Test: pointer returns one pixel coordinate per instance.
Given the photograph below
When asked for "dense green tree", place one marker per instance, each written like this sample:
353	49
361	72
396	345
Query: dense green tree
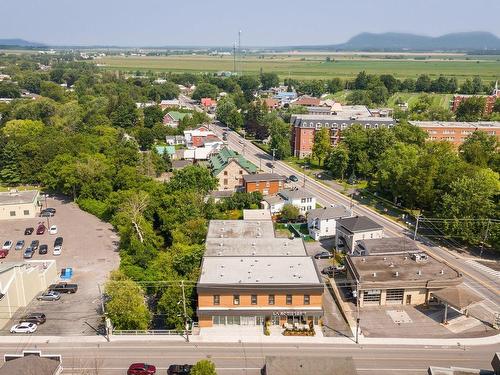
52	90
269	80
249	85
337	161
321	146
152	115
280	136
471	109
361	81
359	97
423	83
9	90
334	85
479	149
356	140
164	91
124	114
9	164
390	82
289	212
314	88
195	178
205	90
477	85
204	367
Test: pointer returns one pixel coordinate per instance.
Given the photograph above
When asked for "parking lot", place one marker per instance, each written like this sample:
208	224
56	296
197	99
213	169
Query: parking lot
90	249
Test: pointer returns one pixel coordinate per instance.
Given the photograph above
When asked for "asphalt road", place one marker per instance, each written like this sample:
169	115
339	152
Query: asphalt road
483	283
115	357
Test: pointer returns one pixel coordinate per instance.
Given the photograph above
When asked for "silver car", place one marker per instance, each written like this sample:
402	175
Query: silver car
19	245
49	296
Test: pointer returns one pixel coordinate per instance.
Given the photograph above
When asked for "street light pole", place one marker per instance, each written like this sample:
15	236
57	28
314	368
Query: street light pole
185	314
272	165
357	311
416	228
484	239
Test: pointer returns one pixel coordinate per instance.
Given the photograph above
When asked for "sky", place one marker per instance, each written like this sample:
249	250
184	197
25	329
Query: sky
216	22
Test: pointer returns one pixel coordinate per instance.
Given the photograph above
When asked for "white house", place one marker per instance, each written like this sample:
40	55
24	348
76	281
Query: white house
300	198
322	222
353	229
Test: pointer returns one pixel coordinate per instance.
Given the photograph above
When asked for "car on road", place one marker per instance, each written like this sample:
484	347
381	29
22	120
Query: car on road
141	369
332	270
323	255
48	212
179	369
50	209
19	245
58	246
58	242
28	231
34	244
64	288
53	229
7	245
49	296
28	253
270	165
293	178
24	327
43	249
40	229
37	318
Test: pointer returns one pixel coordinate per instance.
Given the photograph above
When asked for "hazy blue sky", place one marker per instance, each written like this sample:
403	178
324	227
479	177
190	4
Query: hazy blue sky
216	22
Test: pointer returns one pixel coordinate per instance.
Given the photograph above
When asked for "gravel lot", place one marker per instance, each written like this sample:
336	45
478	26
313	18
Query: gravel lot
90	248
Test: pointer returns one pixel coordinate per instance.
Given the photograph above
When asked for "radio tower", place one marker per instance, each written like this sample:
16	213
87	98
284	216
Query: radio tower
240	63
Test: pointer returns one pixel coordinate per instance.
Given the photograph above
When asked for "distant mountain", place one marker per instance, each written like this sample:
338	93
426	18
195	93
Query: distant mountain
466	41
20	43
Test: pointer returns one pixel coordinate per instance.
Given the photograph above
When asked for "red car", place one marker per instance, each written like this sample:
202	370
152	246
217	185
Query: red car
40	229
141	369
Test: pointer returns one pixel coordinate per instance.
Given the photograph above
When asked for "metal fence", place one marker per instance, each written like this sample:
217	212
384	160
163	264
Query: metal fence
152	332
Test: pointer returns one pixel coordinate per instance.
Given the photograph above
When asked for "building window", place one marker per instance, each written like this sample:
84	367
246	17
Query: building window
288	299
256	184
271	299
216	299
241	172
253	299
12	213
268	184
307	299
236	299
225	181
26	212
225	173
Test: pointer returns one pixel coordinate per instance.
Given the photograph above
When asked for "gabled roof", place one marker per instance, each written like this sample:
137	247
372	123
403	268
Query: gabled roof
263	177
324	213
295	193
177	116
220	161
359	224
308	101
170	150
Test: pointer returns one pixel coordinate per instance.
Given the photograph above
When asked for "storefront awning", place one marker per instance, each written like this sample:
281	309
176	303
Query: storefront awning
459	297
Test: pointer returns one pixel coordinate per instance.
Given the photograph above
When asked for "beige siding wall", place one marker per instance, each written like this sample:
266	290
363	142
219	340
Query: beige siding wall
19	211
231	177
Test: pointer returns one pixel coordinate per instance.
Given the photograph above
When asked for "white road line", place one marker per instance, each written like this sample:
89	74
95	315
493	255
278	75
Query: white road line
483	268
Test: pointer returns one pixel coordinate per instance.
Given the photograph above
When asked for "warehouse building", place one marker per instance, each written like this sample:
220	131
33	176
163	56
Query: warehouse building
19	204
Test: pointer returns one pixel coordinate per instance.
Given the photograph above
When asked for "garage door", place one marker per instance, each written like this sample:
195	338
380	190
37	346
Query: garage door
394	296
371	297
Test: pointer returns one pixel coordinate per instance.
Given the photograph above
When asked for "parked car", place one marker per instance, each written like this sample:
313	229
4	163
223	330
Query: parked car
40	229
19	245
57	250
50	209
58	246
28	231
64	288
43	249
37	318
141	369
328	271
58	241
49	296
7	245
53	229
46	213
24	327
293	178
270	164
323	255
179	369
28	253
34	244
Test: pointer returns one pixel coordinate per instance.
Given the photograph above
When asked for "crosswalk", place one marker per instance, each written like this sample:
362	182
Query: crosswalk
483	268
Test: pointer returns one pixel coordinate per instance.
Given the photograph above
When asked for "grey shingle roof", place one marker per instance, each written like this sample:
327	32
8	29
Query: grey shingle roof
359	224
335	212
263	177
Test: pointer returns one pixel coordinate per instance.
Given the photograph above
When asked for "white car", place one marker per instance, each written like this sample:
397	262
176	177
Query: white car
53	229
57	250
24	327
7	245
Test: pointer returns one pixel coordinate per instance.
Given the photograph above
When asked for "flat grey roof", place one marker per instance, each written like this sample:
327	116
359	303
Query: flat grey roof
257	214
18	197
259	271
301	365
254	247
389	245
359	224
263	177
295	193
30	364
243	229
273	199
335	212
456	124
385	268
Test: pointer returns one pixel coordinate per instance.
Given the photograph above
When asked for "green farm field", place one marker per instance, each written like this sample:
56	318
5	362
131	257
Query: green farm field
310	67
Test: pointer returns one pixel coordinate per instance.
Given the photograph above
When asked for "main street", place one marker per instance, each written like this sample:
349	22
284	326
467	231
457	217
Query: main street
114	357
485	284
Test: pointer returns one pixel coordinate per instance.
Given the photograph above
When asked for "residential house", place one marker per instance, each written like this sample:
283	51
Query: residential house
266	183
322	222
300	198
19	204
31	362
200	137
489	100
208	104
353	229
285	97
271	103
174	140
172	104
169	150
230	167
307	101
173	118
250	277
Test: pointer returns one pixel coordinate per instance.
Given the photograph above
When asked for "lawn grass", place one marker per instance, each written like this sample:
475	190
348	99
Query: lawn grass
310	67
442	100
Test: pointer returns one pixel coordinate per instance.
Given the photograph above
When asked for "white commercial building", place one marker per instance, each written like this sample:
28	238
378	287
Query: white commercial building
322	222
19	204
353	229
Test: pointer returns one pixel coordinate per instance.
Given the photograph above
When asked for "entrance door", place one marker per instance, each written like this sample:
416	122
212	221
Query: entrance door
408	299
248	320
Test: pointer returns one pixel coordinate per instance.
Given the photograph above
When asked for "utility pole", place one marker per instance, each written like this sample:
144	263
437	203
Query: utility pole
185	314
234	57
239	54
272	165
485	238
416	228
357	311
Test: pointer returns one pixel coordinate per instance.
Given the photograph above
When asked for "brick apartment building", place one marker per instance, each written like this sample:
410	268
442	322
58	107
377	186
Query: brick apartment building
305	126
456	132
266	183
488	105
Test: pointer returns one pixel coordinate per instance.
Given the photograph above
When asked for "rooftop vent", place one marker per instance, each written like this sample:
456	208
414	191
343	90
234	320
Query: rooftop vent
219	253
221	236
396	274
241	260
363	260
253	244
374	274
253	253
441	272
391	265
385	258
419	273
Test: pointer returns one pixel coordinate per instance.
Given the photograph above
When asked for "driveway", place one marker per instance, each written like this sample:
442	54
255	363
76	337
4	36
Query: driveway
90	248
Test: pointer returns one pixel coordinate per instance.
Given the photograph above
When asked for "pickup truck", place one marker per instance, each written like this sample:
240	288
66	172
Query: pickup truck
64	288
